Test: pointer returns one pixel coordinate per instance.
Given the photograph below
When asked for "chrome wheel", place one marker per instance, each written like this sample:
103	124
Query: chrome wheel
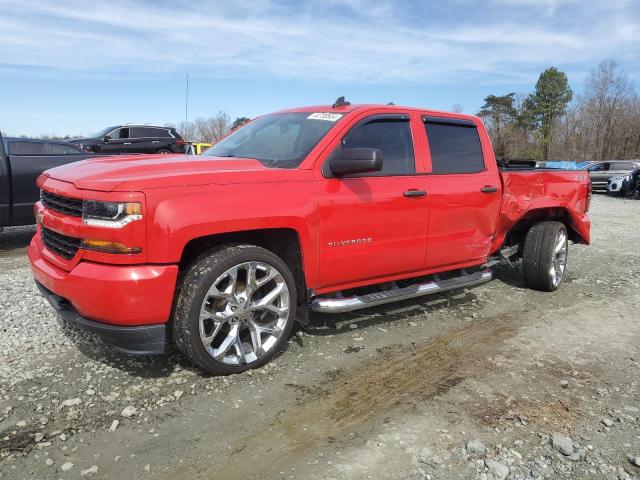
559	262
244	313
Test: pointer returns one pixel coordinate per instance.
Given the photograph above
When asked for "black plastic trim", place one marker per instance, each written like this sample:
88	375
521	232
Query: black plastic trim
448	121
138	340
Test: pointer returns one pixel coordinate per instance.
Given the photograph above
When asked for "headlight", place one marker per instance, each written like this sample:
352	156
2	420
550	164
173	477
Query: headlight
110	214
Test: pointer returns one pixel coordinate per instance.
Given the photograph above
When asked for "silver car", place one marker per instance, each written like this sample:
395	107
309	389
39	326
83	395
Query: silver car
615	184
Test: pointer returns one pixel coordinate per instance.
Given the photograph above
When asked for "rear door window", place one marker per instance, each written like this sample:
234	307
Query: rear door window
392	137
455	146
140	132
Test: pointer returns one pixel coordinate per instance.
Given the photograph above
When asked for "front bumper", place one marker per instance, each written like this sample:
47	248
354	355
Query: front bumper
141	340
128	305
125	295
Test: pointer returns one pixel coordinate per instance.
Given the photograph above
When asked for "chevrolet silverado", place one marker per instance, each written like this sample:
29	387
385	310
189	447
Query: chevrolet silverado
326	209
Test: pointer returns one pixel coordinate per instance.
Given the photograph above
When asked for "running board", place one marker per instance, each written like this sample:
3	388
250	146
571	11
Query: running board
355	302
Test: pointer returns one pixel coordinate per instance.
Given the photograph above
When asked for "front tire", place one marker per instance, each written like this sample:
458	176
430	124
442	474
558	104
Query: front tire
235	309
545	256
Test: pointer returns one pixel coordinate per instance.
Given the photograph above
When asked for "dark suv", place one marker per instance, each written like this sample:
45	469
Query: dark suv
133	139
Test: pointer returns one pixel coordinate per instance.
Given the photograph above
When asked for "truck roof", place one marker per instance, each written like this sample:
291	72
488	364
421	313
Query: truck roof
368	106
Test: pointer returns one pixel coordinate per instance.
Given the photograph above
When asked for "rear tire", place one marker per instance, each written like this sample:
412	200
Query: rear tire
235	309
545	256
164	151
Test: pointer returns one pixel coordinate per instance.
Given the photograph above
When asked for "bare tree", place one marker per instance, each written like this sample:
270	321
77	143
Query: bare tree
608	94
205	130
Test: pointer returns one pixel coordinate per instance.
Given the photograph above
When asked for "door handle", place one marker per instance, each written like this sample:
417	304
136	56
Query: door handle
489	189
415	193
127	143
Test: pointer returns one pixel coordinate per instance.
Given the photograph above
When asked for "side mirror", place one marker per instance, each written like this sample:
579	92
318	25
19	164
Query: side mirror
105	139
356	160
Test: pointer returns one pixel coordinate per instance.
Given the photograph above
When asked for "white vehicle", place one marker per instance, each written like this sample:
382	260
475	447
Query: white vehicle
615	184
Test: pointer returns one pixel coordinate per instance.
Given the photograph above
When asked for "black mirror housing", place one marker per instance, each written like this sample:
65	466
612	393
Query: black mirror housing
352	161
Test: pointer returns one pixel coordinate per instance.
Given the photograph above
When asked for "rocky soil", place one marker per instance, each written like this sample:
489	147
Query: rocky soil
494	382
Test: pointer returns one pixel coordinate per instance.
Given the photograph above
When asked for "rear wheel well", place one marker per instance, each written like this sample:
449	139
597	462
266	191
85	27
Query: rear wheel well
518	232
283	242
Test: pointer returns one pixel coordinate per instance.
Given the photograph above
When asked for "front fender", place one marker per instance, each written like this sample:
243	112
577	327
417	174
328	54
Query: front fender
179	215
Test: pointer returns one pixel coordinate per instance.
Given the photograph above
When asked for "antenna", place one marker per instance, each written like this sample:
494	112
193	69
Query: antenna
340	102
186	109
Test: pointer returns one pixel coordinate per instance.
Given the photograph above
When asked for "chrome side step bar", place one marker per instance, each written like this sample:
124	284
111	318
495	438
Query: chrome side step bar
355	302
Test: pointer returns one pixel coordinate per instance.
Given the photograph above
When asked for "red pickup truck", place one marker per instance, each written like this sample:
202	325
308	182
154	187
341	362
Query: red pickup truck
326	208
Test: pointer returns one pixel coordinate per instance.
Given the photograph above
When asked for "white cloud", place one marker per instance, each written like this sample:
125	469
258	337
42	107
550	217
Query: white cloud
352	40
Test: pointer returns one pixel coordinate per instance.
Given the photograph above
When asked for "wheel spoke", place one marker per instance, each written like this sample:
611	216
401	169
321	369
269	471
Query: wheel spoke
251	285
270	274
228	342
207	340
237	344
215	293
560	243
232	288
274	309
256	337
269	298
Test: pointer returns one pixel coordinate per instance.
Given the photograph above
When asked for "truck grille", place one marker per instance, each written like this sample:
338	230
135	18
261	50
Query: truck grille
61	245
68	206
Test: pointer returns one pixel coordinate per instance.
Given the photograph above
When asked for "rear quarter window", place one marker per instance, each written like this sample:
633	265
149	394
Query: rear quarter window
454	147
623	166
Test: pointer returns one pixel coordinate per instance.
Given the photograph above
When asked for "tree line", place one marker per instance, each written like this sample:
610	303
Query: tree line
601	123
209	129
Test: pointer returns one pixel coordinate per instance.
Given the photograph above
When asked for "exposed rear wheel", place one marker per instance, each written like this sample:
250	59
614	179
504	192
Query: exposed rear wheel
545	255
164	151
235	309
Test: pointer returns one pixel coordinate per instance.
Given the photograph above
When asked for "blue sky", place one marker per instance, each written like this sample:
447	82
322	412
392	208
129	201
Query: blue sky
76	66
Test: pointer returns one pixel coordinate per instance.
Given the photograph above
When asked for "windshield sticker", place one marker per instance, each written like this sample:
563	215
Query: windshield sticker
330	117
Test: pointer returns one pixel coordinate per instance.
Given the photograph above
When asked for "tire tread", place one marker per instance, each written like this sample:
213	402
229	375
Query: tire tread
538	255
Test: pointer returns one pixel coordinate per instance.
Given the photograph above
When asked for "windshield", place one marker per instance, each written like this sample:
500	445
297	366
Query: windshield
280	140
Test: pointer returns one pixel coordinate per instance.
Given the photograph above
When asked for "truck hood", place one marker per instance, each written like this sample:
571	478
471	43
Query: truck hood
139	172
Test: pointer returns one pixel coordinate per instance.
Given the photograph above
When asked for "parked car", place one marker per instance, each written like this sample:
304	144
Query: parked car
625	185
329	209
133	139
22	160
601	172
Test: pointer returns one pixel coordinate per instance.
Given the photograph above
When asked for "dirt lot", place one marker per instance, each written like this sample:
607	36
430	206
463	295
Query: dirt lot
493	382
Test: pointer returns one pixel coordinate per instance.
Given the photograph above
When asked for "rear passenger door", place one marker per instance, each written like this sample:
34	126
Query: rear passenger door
465	193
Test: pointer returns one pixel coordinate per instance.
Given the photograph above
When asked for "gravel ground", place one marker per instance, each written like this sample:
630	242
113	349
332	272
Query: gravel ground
493	382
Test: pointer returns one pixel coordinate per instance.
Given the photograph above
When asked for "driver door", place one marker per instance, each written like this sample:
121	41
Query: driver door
118	141
374	225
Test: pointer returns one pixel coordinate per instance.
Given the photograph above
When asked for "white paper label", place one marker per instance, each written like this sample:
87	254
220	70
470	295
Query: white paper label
330	117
